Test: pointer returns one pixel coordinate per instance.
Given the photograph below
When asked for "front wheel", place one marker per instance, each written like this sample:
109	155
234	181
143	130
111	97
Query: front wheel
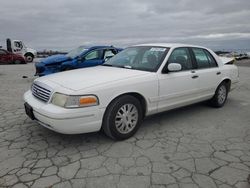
29	58
220	96
122	118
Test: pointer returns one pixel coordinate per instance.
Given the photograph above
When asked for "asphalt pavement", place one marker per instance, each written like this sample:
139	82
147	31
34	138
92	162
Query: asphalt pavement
195	146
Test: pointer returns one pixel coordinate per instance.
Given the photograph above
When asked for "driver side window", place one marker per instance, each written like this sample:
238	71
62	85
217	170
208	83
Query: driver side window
182	57
93	55
18	44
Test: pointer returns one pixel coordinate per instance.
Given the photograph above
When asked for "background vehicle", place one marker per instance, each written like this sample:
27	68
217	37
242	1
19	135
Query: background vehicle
83	56
10	58
18	47
137	82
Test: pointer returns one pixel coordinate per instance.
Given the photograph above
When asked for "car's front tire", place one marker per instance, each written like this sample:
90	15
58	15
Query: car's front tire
29	58
122	118
220	96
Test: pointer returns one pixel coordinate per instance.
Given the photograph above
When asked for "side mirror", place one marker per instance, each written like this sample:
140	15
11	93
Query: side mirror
174	67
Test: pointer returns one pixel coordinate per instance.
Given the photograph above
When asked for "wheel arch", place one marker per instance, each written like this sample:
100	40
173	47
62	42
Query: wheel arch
228	82
138	96
29	53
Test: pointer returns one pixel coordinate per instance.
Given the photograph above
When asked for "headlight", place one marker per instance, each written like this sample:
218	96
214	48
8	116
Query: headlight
74	101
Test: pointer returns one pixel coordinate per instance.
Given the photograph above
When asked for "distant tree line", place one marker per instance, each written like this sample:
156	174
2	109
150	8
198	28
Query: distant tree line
46	53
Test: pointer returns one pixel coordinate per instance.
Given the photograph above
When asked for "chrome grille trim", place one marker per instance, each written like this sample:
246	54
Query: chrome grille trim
41	91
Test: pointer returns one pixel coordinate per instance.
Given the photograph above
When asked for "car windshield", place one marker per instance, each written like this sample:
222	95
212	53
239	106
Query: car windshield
146	58
76	52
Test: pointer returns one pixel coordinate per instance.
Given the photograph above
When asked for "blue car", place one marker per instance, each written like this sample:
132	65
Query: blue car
83	56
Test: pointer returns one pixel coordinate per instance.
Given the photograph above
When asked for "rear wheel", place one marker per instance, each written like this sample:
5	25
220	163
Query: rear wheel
220	96
122	118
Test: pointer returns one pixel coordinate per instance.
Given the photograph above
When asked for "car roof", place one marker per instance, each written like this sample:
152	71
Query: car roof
170	45
97	47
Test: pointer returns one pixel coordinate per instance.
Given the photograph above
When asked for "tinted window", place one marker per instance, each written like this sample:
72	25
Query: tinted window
201	58
181	56
211	59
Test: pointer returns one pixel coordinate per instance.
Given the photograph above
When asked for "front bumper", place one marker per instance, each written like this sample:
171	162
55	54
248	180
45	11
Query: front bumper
66	121
43	70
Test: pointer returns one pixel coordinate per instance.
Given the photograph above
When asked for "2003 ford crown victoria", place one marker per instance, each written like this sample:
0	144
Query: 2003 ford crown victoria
139	81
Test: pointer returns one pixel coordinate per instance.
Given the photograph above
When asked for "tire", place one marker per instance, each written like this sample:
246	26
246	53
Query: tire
220	96
29	58
122	118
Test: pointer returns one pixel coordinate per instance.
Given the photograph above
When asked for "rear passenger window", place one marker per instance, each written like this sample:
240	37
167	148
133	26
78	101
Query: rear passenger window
212	61
182	57
201	58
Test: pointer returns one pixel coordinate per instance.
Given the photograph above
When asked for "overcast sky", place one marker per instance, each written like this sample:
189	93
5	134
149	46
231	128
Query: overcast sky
65	24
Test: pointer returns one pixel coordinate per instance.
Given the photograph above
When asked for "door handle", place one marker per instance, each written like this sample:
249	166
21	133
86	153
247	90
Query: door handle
195	76
218	73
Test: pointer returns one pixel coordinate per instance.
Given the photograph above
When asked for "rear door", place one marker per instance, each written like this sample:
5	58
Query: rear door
178	88
208	72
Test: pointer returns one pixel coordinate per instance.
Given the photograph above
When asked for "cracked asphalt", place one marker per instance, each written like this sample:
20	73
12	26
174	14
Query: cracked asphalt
192	147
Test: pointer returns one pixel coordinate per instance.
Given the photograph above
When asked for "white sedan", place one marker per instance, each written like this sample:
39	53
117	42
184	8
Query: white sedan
141	80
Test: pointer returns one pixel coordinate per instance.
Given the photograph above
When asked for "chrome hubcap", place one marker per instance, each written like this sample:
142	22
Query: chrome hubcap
222	93
126	118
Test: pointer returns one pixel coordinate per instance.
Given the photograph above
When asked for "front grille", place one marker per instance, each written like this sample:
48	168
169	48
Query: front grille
41	92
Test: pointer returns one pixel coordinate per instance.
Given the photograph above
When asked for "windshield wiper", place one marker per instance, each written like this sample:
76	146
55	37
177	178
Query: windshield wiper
127	66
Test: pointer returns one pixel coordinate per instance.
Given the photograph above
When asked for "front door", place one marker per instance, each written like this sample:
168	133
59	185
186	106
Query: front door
178	88
93	58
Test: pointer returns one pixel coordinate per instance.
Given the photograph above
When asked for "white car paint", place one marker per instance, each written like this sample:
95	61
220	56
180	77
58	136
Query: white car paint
160	91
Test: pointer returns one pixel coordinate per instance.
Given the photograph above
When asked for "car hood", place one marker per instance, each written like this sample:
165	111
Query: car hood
55	59
91	77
